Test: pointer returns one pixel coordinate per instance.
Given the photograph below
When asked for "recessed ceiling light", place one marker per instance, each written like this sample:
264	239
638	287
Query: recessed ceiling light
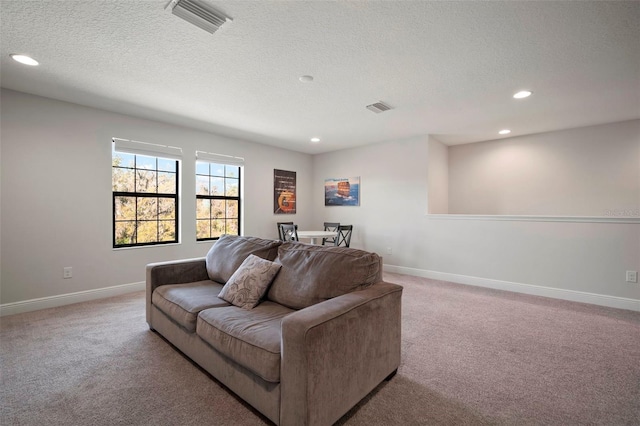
522	94
315	140
23	59
306	78
504	131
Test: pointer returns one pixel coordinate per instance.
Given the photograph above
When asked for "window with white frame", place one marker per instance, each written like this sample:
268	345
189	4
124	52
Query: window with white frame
145	182
218	200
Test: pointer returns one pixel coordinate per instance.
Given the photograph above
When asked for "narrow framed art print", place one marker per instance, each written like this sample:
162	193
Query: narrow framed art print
284	192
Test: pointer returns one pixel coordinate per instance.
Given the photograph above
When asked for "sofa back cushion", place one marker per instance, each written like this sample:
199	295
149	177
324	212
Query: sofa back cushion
228	253
312	273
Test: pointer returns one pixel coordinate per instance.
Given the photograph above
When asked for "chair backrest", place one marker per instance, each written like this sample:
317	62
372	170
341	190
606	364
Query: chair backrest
289	232
280	230
344	235
330	226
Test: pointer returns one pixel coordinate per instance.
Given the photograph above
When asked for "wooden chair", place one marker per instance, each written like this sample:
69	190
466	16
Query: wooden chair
344	235
280	230
330	226
289	232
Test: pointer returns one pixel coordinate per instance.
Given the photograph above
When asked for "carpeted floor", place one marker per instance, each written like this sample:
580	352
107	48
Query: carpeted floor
470	356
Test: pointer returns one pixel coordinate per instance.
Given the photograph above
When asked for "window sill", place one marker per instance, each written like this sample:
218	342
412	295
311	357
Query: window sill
145	247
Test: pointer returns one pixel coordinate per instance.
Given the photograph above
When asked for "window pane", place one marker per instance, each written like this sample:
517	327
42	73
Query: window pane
146	181
202	168
166	165
231	189
232	227
202	229
232	171
232	209
166	208
217	209
203	209
120	159
125	232
147	208
123	179
125	208
217	228
217	186
202	185
166	230
167	183
217	169
144	162
147	232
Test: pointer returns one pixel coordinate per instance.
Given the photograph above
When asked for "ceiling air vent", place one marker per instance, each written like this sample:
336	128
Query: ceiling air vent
378	107
199	14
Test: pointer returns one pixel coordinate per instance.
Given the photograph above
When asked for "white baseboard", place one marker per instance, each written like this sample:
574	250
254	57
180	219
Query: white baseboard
556	293
69	298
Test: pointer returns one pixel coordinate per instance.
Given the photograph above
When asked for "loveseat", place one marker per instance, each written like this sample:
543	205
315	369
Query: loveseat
323	334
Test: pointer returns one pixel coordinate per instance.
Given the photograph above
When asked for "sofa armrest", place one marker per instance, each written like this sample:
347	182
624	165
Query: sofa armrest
335	352
173	272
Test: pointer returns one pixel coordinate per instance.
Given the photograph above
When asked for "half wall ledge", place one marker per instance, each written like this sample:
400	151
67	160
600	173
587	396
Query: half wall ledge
529	218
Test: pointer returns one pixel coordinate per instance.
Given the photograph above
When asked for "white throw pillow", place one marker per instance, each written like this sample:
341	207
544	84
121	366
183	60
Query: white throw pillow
249	282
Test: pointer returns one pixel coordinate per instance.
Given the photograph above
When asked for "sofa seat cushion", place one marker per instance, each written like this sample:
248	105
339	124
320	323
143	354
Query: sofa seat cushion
250	338
228	253
183	302
311	274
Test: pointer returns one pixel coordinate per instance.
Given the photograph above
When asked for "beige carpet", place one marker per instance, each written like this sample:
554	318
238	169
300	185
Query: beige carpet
471	356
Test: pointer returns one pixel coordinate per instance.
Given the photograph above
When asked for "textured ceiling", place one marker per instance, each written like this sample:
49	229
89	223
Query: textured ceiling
448	68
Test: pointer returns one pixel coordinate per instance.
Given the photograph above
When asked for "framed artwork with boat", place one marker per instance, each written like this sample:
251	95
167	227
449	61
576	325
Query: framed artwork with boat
342	191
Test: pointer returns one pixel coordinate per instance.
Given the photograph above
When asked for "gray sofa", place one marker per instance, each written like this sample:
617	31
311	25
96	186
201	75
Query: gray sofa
325	334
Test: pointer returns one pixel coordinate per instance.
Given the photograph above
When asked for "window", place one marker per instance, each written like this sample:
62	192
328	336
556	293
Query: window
145	199
217	200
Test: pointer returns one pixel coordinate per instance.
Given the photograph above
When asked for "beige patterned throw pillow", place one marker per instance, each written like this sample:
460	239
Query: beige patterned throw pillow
249	282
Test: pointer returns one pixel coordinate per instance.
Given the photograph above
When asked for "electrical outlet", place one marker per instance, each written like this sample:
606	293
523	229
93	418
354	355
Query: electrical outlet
389	250
632	276
67	272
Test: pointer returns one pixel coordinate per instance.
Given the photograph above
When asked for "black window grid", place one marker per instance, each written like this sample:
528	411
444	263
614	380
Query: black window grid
211	219
141	195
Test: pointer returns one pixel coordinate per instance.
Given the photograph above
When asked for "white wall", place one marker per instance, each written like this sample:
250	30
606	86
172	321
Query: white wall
576	261
56	195
589	171
438	177
56	211
393	196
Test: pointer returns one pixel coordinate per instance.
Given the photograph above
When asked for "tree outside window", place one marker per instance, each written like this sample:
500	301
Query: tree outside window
217	200
145	200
